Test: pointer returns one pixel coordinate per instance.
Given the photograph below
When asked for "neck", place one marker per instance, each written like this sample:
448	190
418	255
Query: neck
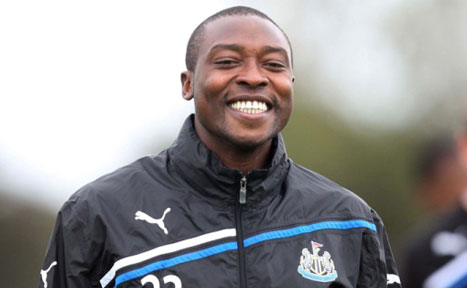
243	158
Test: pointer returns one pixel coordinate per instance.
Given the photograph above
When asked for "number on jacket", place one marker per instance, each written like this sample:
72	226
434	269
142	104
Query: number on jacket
167	279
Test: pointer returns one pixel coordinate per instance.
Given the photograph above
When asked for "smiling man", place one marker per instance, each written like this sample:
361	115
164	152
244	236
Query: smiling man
223	206
241	81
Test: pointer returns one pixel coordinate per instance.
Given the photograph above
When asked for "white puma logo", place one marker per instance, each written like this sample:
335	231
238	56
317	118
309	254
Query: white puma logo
44	273
139	215
393	279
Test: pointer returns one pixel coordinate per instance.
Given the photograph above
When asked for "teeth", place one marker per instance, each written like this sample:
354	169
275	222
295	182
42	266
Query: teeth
250	107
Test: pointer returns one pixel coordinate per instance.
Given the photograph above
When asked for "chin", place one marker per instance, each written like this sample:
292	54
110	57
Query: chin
249	143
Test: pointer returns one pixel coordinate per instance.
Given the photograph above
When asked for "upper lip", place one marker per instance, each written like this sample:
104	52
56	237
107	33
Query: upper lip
246	97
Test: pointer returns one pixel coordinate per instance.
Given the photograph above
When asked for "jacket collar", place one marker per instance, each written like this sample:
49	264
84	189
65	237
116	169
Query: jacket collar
202	169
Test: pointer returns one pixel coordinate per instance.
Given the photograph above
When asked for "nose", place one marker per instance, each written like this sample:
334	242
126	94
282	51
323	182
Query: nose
251	75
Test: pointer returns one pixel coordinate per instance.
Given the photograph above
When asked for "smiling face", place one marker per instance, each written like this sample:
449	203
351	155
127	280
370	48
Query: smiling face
242	83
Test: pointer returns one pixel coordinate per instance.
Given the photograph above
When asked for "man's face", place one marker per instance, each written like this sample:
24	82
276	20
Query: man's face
242	83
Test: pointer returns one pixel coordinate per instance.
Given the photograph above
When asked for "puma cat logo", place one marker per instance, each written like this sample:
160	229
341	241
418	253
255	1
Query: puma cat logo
393	279
44	273
139	215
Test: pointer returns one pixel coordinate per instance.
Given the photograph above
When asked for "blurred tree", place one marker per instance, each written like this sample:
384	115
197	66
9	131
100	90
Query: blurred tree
376	165
430	36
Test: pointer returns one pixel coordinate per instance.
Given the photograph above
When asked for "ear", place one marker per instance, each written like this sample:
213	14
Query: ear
187	85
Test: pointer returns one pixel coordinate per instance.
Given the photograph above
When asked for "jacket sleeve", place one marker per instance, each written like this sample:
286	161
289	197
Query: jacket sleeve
377	267
67	258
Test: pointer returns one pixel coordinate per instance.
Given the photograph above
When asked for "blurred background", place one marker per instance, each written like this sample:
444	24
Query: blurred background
89	86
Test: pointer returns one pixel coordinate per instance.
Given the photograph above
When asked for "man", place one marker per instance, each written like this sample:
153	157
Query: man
223	206
437	256
442	177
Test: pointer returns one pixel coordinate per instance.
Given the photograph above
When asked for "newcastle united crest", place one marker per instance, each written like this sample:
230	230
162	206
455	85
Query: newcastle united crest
315	267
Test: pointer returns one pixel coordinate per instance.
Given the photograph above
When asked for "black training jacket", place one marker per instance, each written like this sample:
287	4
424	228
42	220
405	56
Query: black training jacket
181	219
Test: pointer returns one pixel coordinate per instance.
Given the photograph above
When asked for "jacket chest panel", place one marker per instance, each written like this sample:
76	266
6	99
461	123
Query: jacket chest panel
318	259
322	259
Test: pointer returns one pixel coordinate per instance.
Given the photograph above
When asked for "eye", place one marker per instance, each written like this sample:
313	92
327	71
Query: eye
226	63
274	65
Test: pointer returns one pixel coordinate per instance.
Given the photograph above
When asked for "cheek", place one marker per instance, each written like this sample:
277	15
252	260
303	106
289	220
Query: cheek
212	85
284	89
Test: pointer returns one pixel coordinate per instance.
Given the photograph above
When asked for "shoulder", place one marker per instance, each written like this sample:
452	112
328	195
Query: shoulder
326	195
120	188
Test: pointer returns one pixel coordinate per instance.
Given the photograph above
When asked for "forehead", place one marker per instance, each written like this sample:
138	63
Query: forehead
249	31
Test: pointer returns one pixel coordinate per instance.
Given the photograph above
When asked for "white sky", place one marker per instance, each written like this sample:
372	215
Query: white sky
350	41
86	85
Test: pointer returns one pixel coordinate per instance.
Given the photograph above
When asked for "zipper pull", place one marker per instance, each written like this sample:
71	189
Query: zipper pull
242	198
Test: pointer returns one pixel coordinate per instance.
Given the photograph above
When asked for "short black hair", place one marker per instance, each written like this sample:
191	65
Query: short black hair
192	49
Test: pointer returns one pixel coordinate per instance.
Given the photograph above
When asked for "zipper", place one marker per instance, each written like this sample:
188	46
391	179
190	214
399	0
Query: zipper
239	228
242	197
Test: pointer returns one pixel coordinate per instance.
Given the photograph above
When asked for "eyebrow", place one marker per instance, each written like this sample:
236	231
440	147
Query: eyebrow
273	49
233	47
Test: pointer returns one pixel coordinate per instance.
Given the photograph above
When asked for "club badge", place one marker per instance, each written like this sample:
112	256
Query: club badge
315	267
